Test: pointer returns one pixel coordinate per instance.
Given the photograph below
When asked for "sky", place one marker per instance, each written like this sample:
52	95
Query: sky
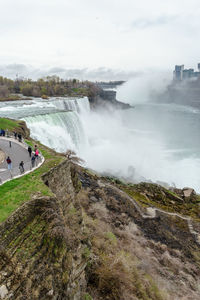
99	39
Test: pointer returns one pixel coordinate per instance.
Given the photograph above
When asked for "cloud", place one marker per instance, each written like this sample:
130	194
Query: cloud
85	35
28	71
158	21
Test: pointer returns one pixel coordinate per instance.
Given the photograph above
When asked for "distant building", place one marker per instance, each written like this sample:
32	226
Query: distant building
178	72
183	74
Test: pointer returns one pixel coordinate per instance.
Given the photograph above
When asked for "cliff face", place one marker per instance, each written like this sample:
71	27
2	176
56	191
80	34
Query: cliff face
107	99
41	254
92	240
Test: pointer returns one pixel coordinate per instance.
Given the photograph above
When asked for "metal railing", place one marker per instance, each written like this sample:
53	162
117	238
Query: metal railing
14	172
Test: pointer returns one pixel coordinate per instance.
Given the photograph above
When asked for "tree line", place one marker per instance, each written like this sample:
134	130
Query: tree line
47	86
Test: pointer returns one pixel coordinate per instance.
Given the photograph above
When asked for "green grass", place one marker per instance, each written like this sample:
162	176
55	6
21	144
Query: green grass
8	124
166	202
13	193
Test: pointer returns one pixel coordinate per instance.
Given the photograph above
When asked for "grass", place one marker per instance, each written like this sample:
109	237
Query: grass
17	191
8	124
163	201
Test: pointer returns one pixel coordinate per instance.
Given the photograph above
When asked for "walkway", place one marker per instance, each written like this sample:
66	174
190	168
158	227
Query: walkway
18	152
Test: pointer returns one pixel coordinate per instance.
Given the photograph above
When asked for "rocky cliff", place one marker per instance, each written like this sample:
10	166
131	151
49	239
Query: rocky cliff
107	99
94	239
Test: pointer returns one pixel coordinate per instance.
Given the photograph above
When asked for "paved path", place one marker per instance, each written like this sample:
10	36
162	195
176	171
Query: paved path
17	153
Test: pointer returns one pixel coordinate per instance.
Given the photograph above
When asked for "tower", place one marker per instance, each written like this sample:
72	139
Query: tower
178	72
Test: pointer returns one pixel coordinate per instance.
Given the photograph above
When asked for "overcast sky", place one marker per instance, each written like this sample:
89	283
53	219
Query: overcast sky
100	38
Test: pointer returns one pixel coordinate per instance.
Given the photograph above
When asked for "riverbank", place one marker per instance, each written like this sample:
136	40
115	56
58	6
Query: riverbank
15	97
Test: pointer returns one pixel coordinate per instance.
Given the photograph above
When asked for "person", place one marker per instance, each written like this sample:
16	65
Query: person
9	162
29	150
15	135
21	167
33	161
36	153
35	147
19	137
10	144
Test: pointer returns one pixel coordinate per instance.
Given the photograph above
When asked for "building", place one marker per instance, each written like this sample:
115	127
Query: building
184	74
178	72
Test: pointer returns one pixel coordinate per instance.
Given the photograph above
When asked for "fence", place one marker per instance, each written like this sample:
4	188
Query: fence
6	175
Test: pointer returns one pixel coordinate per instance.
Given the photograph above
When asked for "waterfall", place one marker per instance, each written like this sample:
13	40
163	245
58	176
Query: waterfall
60	131
79	105
37	106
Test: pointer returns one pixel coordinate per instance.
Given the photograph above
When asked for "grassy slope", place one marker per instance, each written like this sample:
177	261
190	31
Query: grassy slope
161	198
13	193
8	124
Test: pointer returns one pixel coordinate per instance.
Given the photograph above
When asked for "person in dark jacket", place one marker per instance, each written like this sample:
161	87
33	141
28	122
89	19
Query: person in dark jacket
29	150
21	167
9	162
19	137
33	161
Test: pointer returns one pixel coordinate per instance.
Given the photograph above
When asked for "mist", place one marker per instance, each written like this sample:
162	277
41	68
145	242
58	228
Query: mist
153	142
144	87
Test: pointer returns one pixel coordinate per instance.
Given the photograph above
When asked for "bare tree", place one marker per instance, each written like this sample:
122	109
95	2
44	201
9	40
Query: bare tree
71	156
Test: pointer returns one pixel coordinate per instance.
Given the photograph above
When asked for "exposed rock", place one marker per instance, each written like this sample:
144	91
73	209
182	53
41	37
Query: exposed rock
50	293
94	199
107	100
188	192
3	291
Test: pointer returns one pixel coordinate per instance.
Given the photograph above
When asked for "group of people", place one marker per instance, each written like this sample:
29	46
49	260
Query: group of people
17	136
33	155
2	132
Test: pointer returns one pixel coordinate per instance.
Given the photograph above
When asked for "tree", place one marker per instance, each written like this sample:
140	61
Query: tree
4	91
27	89
71	156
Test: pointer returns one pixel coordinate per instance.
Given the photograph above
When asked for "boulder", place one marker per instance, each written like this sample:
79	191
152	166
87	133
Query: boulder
188	192
3	291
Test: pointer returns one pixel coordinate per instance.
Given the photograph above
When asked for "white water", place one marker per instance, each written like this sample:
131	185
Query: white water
150	142
59	130
135	144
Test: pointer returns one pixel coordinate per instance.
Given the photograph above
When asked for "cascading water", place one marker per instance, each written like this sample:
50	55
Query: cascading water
61	130
79	105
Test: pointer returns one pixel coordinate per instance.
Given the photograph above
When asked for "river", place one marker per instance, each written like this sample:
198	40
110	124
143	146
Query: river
150	142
